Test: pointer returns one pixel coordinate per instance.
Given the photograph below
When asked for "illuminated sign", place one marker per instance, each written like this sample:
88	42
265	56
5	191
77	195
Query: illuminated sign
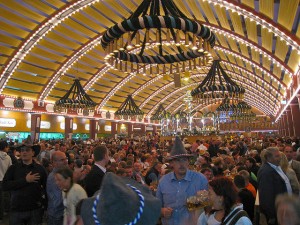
87	127
13	135
107	128
7	122
44	124
62	126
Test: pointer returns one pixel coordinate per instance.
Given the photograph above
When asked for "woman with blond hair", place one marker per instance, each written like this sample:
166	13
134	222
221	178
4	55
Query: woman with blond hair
290	173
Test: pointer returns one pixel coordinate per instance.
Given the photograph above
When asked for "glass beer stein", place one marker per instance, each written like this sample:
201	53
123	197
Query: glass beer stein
200	200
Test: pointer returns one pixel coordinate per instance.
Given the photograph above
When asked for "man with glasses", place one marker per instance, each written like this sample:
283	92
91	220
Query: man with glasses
26	182
55	200
175	187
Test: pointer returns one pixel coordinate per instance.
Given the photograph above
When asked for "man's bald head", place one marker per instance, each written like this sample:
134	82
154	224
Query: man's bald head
59	159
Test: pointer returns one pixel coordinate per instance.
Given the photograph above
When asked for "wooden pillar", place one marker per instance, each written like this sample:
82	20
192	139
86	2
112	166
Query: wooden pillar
284	123
68	127
296	118
35	127
290	122
129	129
93	128
143	129
280	126
114	128
154	129
101	123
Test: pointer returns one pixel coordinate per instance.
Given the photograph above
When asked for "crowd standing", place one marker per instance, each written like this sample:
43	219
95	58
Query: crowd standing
64	182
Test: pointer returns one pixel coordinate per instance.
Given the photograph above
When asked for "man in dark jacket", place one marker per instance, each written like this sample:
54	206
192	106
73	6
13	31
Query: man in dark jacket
213	149
272	181
26	182
93	179
153	173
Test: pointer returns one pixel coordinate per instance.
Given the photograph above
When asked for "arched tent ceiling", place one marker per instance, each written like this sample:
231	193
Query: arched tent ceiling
46	44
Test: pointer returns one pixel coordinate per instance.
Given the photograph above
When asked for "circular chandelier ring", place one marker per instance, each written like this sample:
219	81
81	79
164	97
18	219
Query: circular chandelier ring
157	59
222	88
147	21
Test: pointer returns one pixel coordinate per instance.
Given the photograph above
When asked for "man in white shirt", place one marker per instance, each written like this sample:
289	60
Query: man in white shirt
271	182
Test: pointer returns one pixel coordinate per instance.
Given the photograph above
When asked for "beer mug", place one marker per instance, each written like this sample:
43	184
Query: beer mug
200	200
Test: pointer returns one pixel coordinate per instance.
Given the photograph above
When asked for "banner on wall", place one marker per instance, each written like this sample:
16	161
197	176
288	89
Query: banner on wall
107	128
4	122
62	126
13	135
44	124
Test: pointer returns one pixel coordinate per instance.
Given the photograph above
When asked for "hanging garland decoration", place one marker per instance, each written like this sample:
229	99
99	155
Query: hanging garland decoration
243	116
243	107
161	113
129	108
112	34
75	98
219	84
169	25
226	107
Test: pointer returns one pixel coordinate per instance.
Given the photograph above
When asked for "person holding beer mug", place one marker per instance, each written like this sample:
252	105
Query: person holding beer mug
225	210
176	187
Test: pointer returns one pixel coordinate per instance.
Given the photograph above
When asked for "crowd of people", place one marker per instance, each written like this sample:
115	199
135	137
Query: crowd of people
146	180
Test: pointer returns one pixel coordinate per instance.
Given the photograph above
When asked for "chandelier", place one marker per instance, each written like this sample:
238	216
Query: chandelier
226	107
242	112
157	39
129	109
217	84
161	114
75	99
243	107
243	116
181	116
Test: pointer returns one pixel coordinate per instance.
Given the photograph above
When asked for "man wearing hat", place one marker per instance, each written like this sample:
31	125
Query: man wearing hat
175	187
26	182
120	201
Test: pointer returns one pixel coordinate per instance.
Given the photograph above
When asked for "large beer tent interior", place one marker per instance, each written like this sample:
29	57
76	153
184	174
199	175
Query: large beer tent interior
45	45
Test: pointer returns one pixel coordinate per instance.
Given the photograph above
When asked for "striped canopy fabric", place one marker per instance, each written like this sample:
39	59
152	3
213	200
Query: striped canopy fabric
45	45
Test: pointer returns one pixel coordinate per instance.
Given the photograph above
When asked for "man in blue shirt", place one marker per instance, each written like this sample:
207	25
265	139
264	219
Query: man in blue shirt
55	200
175	187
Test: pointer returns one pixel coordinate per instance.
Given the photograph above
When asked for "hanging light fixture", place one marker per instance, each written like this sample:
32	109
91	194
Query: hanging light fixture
243	112
75	99
217	84
157	39
161	114
243	116
129	109
226	107
243	107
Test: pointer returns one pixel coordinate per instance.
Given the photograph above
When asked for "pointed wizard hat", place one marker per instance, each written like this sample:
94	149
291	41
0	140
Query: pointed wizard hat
178	150
121	201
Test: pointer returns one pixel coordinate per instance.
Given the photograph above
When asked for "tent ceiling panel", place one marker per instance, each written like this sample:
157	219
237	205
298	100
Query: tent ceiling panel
70	47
